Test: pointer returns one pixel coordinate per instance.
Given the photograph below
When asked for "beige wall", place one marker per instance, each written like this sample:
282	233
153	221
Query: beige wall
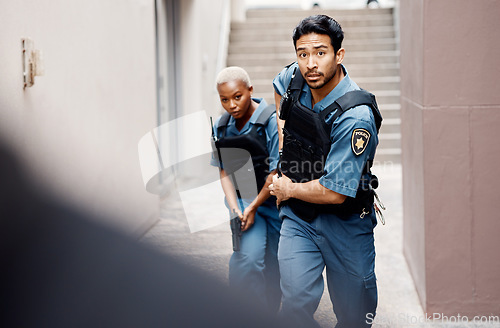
200	32
450	99
411	60
79	125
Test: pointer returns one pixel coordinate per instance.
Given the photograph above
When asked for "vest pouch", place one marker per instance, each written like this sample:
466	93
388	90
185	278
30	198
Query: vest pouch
233	159
237	163
363	202
301	160
237	151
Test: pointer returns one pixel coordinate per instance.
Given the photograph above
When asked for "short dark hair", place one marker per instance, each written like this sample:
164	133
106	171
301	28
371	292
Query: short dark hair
320	24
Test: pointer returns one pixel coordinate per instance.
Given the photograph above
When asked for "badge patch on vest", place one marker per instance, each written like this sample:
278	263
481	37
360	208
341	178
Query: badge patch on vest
359	140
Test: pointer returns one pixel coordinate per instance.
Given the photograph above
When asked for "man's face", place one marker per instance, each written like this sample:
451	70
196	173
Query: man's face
236	97
316	58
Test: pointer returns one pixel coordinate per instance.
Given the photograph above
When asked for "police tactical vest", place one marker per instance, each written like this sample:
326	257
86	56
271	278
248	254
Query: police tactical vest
307	143
254	142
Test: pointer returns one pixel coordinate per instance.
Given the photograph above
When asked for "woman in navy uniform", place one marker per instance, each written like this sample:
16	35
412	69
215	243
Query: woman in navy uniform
249	123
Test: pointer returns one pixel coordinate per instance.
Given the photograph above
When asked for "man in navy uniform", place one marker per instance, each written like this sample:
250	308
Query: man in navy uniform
325	191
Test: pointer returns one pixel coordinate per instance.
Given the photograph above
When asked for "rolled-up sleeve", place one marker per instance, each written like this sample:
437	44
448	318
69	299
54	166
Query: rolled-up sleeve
281	81
214	161
344	167
272	142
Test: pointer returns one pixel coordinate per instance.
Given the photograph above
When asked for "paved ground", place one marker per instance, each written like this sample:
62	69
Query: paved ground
210	250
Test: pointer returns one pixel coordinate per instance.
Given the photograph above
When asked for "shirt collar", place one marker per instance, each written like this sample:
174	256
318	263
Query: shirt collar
262	104
344	85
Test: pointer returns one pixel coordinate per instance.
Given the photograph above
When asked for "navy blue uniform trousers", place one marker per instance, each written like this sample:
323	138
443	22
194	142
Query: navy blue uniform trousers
346	247
254	268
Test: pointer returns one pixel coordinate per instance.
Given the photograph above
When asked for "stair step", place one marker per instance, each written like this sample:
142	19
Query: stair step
262	72
299	14
389	140
263	46
388	44
385	97
391	126
371	57
259	23
387	156
375	84
390	111
374	87
266	59
378	32
265	90
372	70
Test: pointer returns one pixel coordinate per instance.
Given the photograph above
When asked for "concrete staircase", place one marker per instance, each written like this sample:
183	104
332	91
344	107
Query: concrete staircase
263	46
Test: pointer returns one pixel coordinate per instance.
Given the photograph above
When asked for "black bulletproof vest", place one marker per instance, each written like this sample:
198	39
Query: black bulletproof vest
254	142
306	144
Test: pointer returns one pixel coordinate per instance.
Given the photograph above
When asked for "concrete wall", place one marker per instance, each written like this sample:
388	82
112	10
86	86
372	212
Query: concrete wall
450	116
78	127
411	44
200	36
201	32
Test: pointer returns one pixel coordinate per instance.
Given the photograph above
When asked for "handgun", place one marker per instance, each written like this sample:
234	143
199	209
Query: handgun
236	231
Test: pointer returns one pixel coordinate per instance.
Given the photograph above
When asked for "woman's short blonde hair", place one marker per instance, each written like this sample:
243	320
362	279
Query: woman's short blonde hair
233	73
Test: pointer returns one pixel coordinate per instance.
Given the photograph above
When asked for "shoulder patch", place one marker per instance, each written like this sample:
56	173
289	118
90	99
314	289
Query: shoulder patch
359	141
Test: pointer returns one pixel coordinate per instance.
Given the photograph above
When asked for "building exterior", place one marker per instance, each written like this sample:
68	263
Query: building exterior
104	87
450	104
114	70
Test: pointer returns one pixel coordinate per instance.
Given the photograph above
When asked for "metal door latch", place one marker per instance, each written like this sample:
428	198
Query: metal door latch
32	62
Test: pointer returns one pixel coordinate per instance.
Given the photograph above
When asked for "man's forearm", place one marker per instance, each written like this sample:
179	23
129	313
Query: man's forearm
314	192
264	192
